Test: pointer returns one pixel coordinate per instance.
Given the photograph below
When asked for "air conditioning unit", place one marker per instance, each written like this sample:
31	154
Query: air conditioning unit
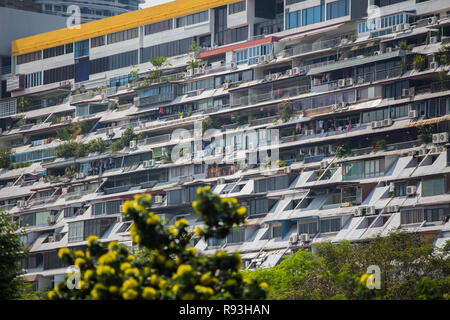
233	65
349	81
370	210
387	122
110	133
226	85
412	153
228	150
432	20
394	208
377	124
423	152
358	212
190	73
309	132
275	76
51	219
388	49
267	58
342	105
324	164
376	53
344	41
189	178
57	237
411	190
413	114
146	164
304	237
295	71
251	146
21	203
157	198
288	72
434	65
51	238
293	238
133	144
341	83
220	181
80	175
287	169
434	150
198	71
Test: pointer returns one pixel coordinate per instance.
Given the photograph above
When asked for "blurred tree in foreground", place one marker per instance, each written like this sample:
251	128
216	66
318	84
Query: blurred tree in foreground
167	267
411	268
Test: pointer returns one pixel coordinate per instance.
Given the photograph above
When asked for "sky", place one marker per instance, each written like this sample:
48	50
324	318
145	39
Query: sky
150	3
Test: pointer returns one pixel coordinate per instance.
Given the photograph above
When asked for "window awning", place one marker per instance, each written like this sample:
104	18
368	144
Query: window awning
355	62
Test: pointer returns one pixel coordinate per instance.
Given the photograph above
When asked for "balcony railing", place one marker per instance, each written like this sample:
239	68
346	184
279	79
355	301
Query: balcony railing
139	102
275	94
318	45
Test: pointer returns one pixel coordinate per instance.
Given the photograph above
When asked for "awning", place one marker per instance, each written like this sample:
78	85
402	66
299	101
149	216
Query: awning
355	62
424	122
310	33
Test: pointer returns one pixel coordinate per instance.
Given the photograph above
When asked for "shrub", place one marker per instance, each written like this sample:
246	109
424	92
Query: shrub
167	267
97	145
71	149
5	159
425	133
343	151
419	63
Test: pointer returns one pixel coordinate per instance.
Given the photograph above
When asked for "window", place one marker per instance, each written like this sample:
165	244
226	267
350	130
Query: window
313	15
337	9
236	7
400	189
175	196
363	169
33	79
168	49
42	218
28	219
81	48
276	230
69	47
309	228
372	168
275	183
158	27
409	216
236	236
432	187
97	41
96	227
330	225
59	74
76	231
293	19
193	19
123	35
53	52
29	57
435	214
113	62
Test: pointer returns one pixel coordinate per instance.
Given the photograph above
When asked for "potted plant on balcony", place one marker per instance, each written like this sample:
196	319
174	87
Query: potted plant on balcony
342	151
158	63
379	145
419	63
285	110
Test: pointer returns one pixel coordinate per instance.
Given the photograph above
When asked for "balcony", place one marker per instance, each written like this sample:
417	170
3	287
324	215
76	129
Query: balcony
275	94
315	46
160	98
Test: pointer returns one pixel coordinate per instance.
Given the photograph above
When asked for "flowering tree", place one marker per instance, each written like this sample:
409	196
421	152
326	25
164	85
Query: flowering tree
168	268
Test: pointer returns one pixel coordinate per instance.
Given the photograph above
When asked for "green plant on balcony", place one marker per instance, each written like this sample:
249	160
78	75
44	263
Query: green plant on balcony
56	120
23	103
303	113
319	173
97	145
403	45
19	165
419	63
237	119
158	64
112	105
443	55
443	80
379	145
5	157
285	110
250	118
71	149
281	163
425	133
209	123
193	63
124	141
343	151
134	74
100	89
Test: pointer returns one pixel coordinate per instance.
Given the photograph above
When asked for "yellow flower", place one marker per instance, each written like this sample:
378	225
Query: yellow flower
152	220
148	197
127	205
79	253
264	285
170	264
88	274
79	262
199	190
154	279
107	258
176	288
194	204
51	294
83	284
198	231
94	294
113	245
131	257
129	284
91	239
148	293
162	284
130	295
246	280
205	279
133	271
230	283
105	270
62	252
183	269
191	250
241	211
182	222
136	239
124	266
221	254
113	289
160	259
205	290
188	296
207	188
173	231
147	271
364	278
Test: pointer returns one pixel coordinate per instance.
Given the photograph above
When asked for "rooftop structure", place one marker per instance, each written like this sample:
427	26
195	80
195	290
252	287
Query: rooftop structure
319	110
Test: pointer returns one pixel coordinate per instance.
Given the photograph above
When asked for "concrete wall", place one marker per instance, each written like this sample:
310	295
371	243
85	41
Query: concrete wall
16	24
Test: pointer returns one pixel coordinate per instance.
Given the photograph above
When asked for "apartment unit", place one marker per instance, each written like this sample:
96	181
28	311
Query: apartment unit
326	121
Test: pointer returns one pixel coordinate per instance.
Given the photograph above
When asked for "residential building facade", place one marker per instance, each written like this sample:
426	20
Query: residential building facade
331	123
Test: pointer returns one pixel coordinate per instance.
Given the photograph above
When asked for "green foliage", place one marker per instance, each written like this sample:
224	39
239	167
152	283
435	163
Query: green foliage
411	268
237	119
419	63
5	159
209	123
193	62
285	110
166	267
72	131
19	165
97	145
380	144
403	45
343	151
112	105
134	74
124	141
425	133
72	149
158	63
443	55
11	249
